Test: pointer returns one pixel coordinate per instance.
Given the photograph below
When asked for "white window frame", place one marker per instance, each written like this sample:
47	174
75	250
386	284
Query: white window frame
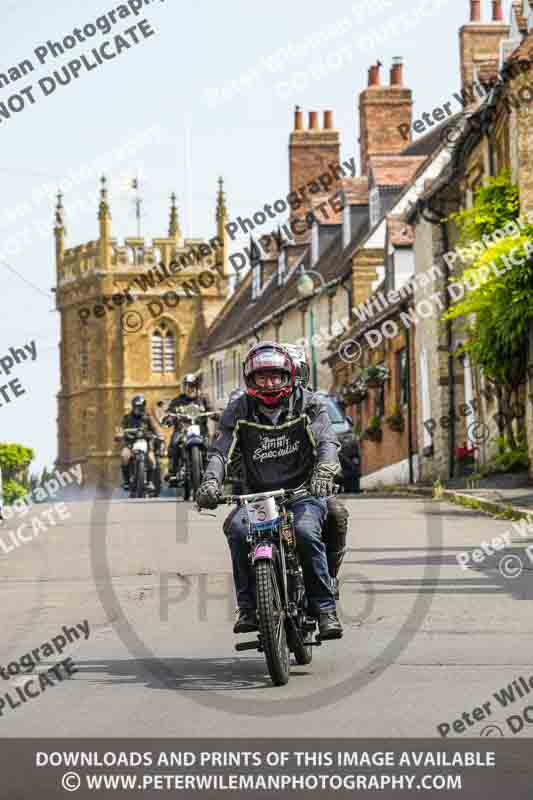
346	225
256	281
219	378
315	244
282	267
375	206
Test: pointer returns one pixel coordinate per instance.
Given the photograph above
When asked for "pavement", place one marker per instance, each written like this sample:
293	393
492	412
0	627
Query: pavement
425	642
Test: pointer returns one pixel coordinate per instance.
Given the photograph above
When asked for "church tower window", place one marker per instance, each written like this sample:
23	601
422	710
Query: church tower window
163	349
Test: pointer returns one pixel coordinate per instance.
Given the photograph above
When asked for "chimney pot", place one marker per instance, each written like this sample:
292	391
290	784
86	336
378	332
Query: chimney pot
396	72
373	75
298	119
313	120
475	10
497	11
328	119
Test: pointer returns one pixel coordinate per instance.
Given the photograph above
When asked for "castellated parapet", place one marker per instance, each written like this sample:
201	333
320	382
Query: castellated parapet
132	317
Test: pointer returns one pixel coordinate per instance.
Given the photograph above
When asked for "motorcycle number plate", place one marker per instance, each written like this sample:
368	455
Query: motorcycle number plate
141	445
193	430
264	513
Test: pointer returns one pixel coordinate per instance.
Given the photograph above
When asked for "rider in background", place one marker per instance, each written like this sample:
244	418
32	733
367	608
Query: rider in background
137	418
285	438
190	394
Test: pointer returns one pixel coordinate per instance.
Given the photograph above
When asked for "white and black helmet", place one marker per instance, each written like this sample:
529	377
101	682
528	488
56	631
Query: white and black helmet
190	380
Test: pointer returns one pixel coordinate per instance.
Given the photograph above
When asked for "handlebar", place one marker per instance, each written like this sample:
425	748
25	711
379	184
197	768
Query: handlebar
300	491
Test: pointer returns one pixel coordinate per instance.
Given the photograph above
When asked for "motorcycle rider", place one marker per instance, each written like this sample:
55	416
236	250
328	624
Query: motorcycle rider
285	438
137	418
190	394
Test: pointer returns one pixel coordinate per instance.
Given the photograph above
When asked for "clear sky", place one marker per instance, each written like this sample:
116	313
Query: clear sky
221	79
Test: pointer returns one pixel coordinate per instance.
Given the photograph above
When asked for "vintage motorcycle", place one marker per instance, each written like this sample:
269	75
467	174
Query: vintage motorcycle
140	440
191	446
284	625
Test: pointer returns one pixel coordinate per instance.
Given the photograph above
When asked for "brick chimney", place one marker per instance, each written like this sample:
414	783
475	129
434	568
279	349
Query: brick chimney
480	48
382	110
312	152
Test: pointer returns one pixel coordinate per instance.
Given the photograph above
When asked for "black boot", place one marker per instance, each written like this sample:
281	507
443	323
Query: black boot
246	621
329	626
125	476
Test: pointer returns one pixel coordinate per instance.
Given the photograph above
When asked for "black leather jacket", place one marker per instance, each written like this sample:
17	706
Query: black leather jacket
302	401
185	400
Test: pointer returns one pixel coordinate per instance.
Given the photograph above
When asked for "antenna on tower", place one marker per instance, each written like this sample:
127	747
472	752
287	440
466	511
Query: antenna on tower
138	203
187	158
135	183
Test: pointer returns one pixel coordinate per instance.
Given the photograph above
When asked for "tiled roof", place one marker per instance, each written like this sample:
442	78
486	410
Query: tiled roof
427	144
394	170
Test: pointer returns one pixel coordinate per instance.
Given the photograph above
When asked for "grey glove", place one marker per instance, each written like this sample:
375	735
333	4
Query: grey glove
323	479
208	494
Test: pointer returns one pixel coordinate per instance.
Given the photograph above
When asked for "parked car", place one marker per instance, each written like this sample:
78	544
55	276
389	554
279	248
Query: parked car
349	454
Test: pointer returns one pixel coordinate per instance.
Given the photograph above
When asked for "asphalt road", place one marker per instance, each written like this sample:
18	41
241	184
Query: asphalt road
424	640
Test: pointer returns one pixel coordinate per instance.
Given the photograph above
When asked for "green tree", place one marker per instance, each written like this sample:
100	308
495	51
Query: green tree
14	462
498	302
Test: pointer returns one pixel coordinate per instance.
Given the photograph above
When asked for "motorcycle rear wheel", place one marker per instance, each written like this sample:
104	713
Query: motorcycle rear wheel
303	654
271	618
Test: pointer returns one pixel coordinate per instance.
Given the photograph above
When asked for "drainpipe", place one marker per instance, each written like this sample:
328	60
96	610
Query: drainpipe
408	341
451	360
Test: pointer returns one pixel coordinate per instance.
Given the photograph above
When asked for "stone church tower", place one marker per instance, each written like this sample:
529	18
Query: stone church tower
132	317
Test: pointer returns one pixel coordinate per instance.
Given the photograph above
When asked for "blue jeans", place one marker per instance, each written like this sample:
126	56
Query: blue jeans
309	516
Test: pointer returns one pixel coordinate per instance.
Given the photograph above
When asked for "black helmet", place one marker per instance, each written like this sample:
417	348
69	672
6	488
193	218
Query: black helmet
301	367
138	405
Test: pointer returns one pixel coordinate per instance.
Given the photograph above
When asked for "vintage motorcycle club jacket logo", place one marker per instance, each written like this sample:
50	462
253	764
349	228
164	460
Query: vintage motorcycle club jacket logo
275	455
275	447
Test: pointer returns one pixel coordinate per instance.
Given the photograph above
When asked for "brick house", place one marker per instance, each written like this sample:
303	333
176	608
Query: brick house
267	304
452	393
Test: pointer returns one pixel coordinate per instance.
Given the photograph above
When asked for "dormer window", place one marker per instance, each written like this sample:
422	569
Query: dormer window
346	225
256	280
375	206
314	244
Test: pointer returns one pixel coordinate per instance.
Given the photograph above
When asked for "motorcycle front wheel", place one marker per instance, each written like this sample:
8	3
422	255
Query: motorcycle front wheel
271	618
137	489
196	469
157	480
